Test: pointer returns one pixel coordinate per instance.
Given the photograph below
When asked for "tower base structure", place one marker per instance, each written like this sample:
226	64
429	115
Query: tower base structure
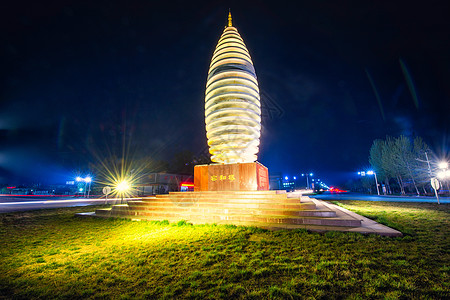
272	210
239	194
231	177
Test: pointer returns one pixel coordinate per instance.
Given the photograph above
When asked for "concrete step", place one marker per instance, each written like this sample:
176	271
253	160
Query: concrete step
261	213
199	218
236	205
274	197
224	210
270	192
221	200
103	212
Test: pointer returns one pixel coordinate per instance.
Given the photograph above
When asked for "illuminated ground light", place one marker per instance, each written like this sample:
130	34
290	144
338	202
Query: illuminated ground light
232	102
122	175
122	188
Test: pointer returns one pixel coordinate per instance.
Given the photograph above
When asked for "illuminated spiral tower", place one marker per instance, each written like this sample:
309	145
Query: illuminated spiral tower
232	103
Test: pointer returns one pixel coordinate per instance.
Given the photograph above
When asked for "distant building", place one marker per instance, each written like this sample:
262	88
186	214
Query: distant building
275	181
163	183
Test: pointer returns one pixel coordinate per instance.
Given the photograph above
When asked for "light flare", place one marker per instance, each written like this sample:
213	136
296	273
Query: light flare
122	175
443	165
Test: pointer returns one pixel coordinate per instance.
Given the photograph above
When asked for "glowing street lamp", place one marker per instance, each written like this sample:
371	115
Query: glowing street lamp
306	175
444	174
443	165
86	180
371	172
376	180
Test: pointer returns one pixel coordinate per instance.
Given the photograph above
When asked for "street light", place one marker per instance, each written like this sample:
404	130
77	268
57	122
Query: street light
371	172
443	174
434	181
307	182
443	165
86	180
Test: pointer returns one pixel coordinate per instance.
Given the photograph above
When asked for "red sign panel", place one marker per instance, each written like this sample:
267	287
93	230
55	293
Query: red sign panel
263	177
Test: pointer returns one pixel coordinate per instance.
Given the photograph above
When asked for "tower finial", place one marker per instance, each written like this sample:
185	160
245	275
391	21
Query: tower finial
230	23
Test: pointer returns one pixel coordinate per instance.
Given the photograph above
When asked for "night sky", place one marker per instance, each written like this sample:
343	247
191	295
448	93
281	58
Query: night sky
78	77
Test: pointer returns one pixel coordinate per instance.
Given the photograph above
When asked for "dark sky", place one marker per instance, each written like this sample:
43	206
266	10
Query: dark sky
77	75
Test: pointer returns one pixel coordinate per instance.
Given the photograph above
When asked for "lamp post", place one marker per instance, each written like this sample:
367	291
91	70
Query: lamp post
79	179
376	180
432	179
370	172
87	180
307	182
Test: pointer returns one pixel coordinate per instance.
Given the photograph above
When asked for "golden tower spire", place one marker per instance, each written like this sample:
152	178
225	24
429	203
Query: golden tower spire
230	23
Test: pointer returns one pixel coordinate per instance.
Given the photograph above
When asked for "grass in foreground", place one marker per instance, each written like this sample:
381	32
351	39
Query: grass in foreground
53	254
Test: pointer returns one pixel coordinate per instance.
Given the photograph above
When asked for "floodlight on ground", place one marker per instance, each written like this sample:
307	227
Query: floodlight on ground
123	186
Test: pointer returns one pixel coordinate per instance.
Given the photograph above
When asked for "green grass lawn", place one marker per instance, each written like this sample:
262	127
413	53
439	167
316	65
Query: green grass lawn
53	254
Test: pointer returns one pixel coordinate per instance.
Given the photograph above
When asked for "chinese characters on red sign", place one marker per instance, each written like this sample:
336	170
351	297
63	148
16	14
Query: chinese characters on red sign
230	177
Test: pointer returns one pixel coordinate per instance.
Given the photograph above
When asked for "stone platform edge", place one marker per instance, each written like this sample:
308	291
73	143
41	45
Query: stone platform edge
368	226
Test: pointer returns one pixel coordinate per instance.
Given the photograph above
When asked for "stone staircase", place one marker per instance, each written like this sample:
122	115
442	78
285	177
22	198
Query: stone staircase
265	209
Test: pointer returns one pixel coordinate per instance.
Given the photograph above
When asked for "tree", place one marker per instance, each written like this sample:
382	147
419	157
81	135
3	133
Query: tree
422	172
390	162
404	158
399	158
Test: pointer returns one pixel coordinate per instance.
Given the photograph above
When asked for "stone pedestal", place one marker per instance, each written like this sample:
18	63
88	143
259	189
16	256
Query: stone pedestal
231	177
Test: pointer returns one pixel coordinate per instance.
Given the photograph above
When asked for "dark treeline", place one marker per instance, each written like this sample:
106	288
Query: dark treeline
402	166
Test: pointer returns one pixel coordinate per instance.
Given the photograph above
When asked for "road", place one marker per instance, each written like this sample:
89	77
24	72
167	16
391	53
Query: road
364	197
23	203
